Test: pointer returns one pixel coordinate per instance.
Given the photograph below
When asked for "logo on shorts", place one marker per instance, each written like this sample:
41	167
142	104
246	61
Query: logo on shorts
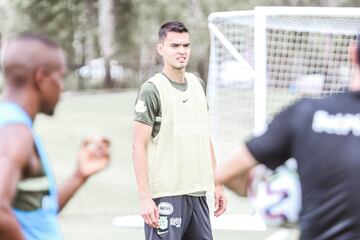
140	106
175	221
165	208
163	225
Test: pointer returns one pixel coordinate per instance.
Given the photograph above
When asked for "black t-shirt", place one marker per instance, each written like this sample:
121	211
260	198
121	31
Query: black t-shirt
323	135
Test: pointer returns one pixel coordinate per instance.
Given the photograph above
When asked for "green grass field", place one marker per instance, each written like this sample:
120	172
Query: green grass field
112	193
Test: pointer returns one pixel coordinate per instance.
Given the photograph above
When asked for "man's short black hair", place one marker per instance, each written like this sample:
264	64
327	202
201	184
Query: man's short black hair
172	26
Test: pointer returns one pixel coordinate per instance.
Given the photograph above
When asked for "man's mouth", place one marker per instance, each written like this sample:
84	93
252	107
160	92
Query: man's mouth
181	59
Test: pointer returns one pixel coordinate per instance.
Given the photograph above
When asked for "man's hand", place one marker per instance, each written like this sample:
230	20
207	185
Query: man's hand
150	212
220	201
93	156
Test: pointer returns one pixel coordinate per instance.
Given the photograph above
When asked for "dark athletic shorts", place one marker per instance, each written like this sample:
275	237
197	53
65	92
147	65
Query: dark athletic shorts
181	218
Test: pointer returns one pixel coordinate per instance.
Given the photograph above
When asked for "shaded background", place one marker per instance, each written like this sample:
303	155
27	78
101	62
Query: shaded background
110	44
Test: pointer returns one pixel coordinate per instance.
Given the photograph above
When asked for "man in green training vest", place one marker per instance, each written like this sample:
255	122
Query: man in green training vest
172	151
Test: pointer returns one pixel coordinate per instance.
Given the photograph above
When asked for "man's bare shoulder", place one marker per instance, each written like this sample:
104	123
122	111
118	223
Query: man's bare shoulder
16	143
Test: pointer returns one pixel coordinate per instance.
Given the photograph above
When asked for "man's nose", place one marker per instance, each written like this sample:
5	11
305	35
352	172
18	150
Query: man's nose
181	49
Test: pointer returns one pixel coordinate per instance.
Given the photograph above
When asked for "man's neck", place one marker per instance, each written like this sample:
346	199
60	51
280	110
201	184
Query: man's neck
176	75
25	101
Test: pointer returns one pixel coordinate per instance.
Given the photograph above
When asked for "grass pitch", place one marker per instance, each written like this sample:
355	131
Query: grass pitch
113	192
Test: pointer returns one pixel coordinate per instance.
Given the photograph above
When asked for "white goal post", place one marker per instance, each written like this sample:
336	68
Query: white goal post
264	59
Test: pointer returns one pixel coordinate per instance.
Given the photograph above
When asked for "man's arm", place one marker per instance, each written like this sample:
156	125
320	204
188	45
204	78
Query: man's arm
234	172
141	138
93	157
69	187
16	147
220	198
272	148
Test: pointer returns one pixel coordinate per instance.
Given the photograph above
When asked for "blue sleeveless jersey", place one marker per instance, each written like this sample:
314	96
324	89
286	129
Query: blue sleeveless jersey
40	224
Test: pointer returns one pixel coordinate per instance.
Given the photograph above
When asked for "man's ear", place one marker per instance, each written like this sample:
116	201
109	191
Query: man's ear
160	48
39	77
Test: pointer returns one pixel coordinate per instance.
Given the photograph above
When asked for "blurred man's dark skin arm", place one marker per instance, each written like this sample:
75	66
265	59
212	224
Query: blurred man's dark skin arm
68	189
93	157
16	149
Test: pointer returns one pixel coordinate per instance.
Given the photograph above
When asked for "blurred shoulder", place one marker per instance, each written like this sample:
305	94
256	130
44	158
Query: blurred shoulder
16	142
148	88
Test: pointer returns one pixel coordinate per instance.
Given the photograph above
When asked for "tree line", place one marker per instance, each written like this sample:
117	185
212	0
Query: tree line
123	33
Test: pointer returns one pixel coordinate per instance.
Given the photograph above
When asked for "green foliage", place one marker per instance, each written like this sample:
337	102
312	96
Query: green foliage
75	25
125	13
55	18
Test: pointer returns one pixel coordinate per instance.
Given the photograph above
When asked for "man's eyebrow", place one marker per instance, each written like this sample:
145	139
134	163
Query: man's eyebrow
178	44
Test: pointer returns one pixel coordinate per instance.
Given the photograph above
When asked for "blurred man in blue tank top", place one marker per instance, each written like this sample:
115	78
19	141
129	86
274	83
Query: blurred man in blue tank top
34	67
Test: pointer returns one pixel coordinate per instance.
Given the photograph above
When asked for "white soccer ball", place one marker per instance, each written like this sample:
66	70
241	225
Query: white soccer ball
276	195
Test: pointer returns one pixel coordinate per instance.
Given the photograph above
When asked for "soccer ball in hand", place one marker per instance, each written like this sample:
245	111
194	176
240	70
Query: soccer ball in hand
276	195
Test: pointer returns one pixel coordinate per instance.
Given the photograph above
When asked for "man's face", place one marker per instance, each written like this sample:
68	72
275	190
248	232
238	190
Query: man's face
175	49
53	84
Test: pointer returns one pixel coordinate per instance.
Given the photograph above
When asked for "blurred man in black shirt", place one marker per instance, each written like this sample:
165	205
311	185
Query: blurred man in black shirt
323	135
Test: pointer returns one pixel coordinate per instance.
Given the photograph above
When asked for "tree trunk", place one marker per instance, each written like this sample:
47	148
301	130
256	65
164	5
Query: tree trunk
89	30
197	13
106	37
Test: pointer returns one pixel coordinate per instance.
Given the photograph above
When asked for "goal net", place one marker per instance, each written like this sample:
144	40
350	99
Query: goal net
265	59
